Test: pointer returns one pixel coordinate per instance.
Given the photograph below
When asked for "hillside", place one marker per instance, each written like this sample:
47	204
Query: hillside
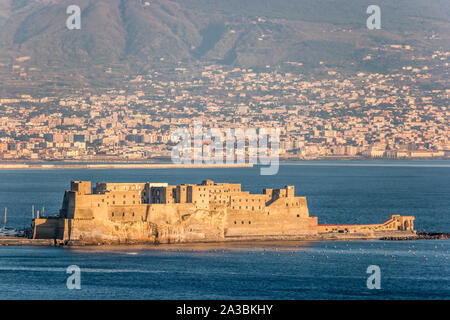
128	37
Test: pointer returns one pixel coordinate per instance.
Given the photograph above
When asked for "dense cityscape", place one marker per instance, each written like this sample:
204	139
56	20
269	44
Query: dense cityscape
334	115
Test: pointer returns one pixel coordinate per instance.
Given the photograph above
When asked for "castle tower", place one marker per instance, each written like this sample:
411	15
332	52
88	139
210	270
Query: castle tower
80	187
290	191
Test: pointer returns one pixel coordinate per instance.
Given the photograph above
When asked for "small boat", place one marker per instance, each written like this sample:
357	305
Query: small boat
7	231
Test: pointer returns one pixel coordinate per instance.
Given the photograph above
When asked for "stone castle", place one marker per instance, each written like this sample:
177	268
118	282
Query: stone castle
160	213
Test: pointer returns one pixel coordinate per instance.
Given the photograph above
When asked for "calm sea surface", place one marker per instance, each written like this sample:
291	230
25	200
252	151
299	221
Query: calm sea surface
337	192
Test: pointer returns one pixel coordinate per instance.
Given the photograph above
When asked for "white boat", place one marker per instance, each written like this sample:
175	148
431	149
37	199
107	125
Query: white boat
8	232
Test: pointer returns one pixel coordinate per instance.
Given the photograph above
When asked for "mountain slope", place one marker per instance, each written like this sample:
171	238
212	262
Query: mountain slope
128	37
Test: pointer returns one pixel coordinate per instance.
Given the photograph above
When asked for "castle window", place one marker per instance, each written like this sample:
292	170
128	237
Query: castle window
242	222
124	202
132	214
235	222
249	222
123	214
298	216
114	202
112	214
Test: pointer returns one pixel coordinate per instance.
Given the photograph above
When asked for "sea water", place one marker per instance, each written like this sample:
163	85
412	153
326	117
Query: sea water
337	192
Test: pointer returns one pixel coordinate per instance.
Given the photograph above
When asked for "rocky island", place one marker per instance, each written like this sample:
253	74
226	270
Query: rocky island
127	213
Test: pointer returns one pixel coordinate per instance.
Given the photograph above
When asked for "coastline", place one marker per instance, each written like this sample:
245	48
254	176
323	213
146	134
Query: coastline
123	164
24	166
385	236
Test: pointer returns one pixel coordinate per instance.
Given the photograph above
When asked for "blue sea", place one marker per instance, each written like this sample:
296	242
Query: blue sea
337	192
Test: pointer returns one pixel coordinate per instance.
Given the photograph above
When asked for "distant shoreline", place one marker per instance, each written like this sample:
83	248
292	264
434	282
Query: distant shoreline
115	164
22	241
24	166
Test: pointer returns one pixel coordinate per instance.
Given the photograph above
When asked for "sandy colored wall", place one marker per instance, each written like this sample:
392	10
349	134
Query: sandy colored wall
49	228
259	224
395	223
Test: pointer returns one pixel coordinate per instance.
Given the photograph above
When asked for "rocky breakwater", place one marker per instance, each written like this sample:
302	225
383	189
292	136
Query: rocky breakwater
420	236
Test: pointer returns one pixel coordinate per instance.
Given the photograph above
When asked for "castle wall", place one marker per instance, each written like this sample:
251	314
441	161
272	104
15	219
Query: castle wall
165	194
127	213
49	228
287	216
81	187
395	223
84	206
243	225
103	187
198	195
295	206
